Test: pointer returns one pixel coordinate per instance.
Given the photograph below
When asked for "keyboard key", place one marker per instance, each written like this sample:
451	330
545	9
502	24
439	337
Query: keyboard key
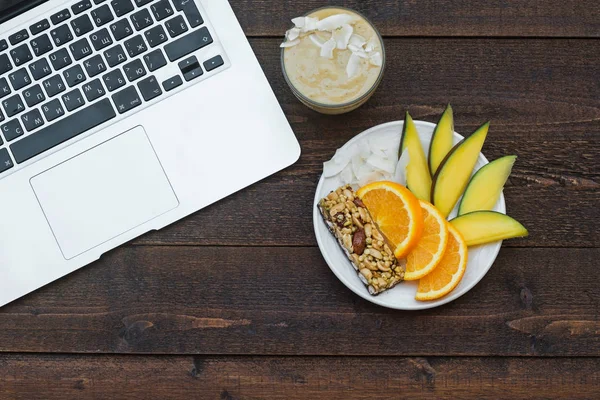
1	119
21	54
188	43
54	85
193	73
74	75
213	63
99	1
33	95
141	19
115	55
121	29
39	26
113	80
188	64
41	45
4	88
155	60
40	68
161	9
82	25
53	109
60	59
80	49
81	6
60	16
94	65
63	130
93	90
5	64
155	36
19	79
102	15
172	83
122	7
11	130
134	70
126	99
5	160
140	3
18	37
13	105
101	39
176	26
149	88
73	99
61	35
135	46
190	11
3	45
32	119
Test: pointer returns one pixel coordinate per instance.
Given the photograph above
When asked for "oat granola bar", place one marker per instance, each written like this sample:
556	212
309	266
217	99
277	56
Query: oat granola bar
366	247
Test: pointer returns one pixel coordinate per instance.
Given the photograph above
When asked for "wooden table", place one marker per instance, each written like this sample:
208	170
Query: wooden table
236	302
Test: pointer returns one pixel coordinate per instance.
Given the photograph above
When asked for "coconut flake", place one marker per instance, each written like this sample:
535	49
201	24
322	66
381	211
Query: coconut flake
328	48
306	24
353	66
346	175
290	43
371	45
357	40
401	168
293	34
382	163
342	36
338	162
358	51
334	22
316	39
376	59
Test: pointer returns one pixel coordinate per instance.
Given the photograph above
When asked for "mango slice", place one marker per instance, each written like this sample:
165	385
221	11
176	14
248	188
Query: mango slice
485	187
442	140
418	179
453	174
481	227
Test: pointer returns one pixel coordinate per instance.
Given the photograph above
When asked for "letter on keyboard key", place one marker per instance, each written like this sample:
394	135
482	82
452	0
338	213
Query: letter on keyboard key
4	88
126	99
188	43
54	85
13	105
32	119
80	49
134	70
93	90
40	68
11	130
20	78
33	95
94	66
63	130
190	11
121	29
5	161
52	110
74	75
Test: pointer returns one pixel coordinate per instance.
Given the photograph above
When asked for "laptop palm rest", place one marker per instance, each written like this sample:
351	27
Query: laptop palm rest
104	192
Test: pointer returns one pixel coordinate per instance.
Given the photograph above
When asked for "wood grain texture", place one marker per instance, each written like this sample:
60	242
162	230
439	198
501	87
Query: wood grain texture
51	377
286	301
541	96
551	18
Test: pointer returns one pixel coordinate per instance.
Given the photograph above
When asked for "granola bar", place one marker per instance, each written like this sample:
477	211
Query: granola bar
363	243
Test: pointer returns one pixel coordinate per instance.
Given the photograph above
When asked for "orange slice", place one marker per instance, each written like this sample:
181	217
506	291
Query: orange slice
397	213
430	249
449	272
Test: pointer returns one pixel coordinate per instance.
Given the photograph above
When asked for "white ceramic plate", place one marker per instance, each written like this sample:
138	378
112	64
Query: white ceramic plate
401	297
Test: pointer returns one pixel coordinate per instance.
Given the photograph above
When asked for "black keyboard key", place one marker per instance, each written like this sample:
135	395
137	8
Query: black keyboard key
4	88
149	88
80	49
172	83
73	99
141	19
60	59
113	80
121	29
101	39
33	95
19	79
190	11
99	1
93	90
39	26
188	43
134	70
5	160
63	130
122	7
11	130
3	45
60	16
155	60
126	99
140	3
188	64
102	15
74	75
115	55
155	36
81	6
161	9
82	25
21	54
18	37
54	85
61	35
1	119
41	45
32	119
213	63
176	26
5	64
94	66
40	68
53	109
13	105
193	74
135	46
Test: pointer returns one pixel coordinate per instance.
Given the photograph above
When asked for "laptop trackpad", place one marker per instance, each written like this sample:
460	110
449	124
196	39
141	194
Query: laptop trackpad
104	192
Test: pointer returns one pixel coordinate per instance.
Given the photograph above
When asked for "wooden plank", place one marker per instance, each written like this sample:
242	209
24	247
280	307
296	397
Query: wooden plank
286	301
478	18
542	100
54	377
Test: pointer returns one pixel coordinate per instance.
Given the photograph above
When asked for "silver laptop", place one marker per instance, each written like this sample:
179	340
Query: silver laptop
119	117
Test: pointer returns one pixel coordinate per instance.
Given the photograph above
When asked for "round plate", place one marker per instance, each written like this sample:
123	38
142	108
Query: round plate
401	297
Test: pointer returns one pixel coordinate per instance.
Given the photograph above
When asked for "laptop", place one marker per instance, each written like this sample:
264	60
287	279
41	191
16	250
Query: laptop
120	117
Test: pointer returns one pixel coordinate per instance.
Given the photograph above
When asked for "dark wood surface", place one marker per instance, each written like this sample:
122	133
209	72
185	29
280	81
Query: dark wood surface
228	304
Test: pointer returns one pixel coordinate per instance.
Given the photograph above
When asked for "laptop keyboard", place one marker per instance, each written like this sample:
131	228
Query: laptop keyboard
88	64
